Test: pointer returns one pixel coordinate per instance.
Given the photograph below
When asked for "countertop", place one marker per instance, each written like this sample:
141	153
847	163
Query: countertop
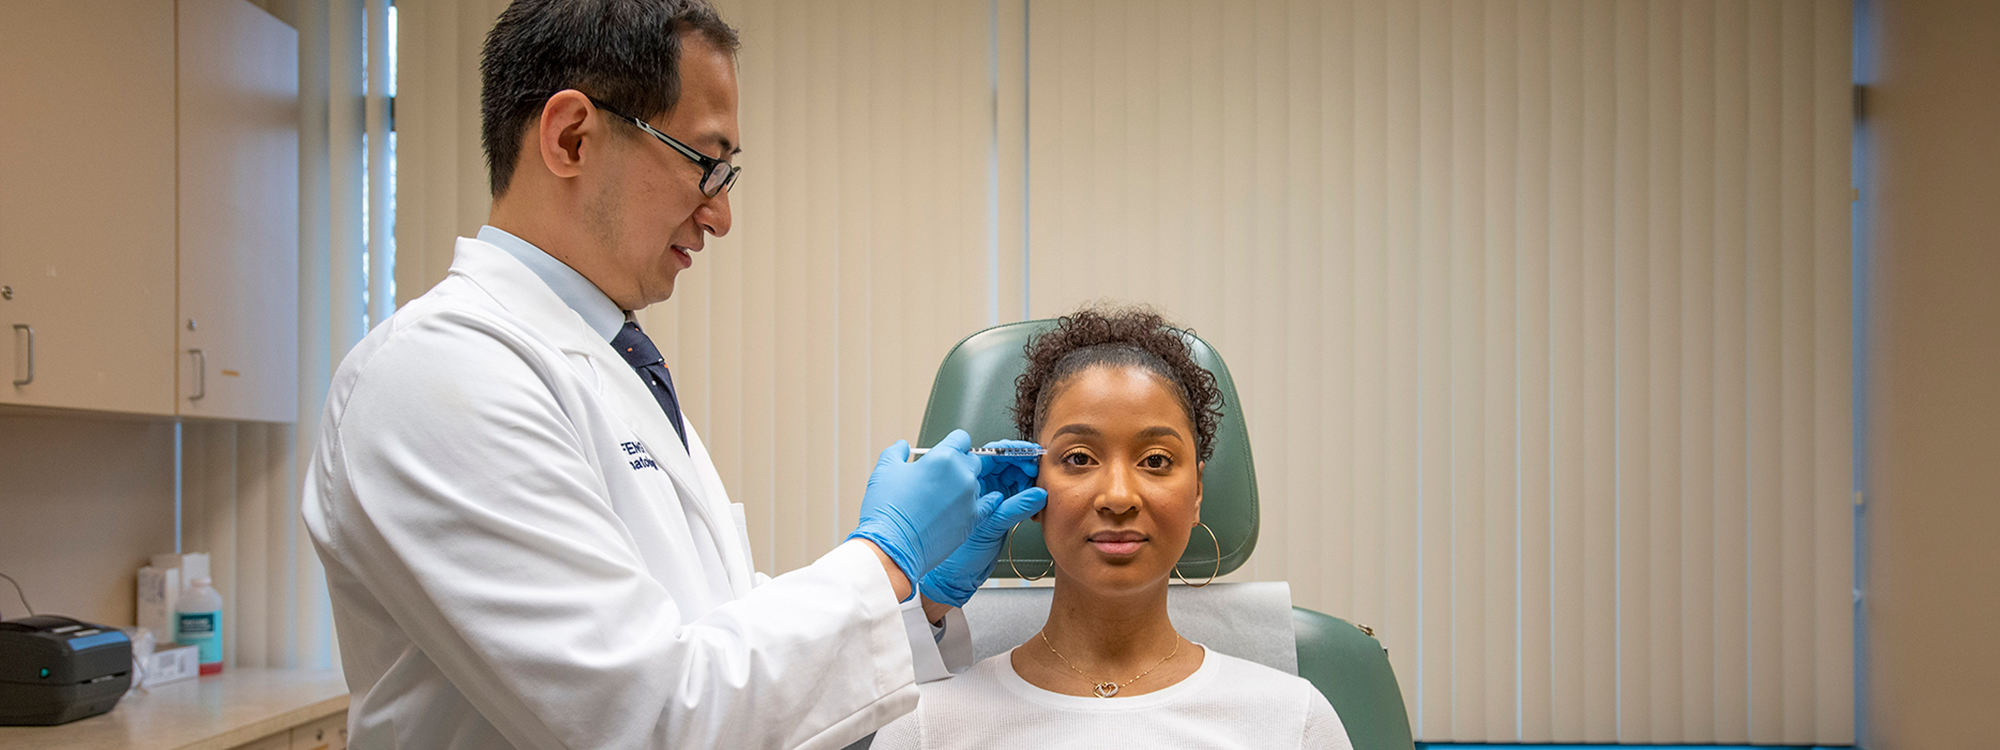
207	713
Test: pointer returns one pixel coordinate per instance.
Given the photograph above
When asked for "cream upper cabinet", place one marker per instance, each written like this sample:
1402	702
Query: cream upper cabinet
87	205
239	219
149	208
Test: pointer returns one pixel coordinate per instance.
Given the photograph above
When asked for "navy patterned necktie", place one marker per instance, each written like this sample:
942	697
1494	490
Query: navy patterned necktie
640	353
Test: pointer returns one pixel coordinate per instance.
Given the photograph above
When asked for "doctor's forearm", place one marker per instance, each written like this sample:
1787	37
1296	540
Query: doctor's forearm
897	581
934	611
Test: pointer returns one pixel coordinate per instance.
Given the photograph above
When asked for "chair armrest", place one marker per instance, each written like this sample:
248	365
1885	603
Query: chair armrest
1352	670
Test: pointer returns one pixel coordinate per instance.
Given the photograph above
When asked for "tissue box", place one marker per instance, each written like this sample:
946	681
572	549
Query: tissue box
159	593
172	664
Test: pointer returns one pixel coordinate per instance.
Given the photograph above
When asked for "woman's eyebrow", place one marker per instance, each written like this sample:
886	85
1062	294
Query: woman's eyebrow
1079	429
1161	431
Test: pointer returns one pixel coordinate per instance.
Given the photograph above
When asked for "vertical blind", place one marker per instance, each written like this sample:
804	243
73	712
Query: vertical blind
868	128
1540	312
239	505
440	170
864	244
240	480
1539	309
804	341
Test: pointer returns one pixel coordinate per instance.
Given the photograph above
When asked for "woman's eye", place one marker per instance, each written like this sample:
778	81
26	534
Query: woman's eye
1157	461
1078	458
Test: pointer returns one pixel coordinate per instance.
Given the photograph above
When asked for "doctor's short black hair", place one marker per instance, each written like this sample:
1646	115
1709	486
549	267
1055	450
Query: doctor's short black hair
1118	337
625	53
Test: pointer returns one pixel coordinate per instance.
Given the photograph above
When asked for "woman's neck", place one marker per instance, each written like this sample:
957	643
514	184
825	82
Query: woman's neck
1109	630
1093	637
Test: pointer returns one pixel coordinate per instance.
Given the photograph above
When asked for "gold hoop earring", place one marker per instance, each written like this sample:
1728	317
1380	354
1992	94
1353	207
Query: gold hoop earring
1218	560
1017	568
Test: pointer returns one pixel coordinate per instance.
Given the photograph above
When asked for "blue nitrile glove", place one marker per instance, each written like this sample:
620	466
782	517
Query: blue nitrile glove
953	581
1008	475
920	511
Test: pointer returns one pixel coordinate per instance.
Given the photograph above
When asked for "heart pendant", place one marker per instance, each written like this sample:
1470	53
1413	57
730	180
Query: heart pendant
1106	689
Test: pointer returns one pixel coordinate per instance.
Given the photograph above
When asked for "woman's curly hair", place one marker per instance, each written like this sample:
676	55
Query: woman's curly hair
1126	337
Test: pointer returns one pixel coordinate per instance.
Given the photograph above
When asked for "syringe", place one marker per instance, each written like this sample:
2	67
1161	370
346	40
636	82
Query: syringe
1009	451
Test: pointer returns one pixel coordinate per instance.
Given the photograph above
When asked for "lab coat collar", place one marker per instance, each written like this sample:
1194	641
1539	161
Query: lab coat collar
523	293
582	296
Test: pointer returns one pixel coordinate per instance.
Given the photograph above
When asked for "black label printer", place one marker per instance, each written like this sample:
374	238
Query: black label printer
55	670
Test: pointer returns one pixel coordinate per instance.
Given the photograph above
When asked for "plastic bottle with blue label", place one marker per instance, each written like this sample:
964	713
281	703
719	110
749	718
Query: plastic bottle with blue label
198	623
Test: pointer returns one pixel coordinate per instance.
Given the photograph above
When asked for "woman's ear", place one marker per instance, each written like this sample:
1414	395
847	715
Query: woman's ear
1198	466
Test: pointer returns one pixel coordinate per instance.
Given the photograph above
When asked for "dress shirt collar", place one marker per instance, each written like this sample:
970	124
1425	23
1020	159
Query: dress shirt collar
589	302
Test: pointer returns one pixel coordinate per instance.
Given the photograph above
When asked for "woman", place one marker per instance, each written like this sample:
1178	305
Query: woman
1127	418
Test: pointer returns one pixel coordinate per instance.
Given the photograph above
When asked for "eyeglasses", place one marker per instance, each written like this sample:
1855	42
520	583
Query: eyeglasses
717	175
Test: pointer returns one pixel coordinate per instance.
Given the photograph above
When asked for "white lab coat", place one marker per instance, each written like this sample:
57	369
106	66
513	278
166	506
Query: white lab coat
520	553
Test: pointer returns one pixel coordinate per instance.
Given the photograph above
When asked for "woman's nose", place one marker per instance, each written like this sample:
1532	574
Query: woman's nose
1121	492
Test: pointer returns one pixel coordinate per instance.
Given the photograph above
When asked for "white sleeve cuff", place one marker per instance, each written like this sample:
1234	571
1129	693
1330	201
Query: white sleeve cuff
924	654
936	651
955	642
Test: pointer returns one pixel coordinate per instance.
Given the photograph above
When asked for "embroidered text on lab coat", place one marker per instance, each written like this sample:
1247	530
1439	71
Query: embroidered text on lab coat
644	458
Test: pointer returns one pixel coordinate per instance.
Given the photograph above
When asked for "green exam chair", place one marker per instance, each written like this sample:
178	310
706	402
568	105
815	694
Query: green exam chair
974	390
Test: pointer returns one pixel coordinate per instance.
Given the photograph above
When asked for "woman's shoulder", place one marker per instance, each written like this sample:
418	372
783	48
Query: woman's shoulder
1271	687
984	675
958	702
980	684
1249	673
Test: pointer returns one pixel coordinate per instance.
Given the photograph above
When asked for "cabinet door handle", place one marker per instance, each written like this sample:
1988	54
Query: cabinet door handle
18	327
200	375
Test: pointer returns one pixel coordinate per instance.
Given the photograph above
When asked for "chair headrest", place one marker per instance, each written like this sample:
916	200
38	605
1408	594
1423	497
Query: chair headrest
974	391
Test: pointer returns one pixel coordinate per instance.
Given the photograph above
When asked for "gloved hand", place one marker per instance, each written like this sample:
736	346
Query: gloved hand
1008	475
953	581
920	511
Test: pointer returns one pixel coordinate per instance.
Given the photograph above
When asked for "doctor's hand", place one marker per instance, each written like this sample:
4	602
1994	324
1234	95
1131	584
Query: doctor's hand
918	512
1008	475
954	581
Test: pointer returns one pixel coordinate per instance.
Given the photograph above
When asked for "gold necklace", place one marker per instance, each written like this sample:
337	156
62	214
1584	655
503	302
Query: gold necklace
1108	688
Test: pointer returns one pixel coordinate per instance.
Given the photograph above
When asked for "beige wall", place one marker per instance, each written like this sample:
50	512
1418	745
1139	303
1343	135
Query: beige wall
83	501
1933	661
283	9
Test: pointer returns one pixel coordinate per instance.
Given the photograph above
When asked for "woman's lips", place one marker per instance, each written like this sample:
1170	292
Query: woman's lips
1117	549
1117	543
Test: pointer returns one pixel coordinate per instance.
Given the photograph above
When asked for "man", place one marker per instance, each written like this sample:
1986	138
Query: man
525	542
